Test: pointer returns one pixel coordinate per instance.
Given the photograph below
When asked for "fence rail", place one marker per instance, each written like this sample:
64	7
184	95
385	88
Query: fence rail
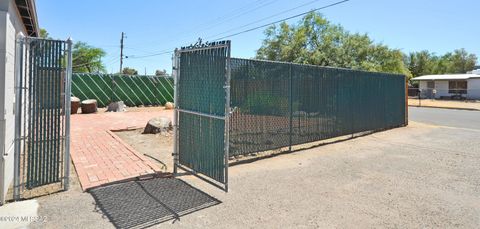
283	104
448	94
133	90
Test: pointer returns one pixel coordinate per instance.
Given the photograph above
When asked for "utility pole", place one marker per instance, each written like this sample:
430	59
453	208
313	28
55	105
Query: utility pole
121	53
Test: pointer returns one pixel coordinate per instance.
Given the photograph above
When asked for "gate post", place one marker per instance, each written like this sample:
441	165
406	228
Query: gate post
290	88
176	74
18	114
227	112
68	85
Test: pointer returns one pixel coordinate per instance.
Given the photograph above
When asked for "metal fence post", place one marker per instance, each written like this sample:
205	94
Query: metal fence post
176	74
68	81
290	88
18	114
227	112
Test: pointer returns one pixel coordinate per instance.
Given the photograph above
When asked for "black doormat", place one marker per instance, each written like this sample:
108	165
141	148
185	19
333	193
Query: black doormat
140	204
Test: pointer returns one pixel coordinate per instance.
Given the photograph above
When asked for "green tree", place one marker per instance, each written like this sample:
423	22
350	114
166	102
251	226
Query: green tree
129	71
314	40
421	63
86	58
460	61
426	63
44	34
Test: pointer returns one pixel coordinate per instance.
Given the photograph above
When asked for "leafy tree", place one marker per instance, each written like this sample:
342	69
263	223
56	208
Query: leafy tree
426	63
129	71
460	61
87	58
161	72
314	40
421	63
44	34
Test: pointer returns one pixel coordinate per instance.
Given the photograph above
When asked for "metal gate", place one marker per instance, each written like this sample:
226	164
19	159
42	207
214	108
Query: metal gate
202	107
42	115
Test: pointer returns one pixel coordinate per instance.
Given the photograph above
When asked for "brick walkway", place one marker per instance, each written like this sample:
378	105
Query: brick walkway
99	156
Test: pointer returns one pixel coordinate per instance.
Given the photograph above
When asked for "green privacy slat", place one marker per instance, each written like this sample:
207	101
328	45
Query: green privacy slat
43	145
133	90
201	89
283	104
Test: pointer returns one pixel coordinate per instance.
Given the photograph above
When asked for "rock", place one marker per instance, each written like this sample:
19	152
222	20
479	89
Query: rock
74	104
89	106
116	107
158	125
169	106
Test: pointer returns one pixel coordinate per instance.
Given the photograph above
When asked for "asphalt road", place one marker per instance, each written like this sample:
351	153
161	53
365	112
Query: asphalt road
446	117
424	175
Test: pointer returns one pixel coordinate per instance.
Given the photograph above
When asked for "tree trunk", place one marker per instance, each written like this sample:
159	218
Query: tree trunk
89	106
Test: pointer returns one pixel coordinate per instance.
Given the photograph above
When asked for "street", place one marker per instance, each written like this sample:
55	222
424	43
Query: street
446	117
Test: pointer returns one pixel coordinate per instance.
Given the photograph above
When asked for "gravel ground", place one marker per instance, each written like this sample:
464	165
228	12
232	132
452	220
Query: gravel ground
414	177
467	104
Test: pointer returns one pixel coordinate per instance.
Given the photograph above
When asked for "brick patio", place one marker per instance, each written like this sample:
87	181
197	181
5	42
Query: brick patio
99	156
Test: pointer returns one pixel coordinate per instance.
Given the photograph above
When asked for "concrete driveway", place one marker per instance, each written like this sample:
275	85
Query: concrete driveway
424	175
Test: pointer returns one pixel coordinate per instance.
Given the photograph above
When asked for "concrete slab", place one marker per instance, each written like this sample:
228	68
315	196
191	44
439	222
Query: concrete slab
20	214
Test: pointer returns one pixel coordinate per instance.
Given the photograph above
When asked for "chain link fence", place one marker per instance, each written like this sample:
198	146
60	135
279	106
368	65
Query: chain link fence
278	104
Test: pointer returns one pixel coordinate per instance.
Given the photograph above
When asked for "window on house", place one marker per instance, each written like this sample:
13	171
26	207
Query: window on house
457	87
431	84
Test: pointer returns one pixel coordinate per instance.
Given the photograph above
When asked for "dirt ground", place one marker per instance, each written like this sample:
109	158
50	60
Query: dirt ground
157	147
468	104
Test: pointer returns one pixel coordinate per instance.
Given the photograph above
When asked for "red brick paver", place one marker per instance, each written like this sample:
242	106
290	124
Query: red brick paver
99	156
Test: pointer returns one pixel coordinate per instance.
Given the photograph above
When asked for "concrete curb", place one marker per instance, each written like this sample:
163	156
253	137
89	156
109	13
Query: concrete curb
449	108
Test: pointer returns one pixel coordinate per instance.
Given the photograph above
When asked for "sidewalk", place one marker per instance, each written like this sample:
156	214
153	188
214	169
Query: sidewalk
99	156
449	104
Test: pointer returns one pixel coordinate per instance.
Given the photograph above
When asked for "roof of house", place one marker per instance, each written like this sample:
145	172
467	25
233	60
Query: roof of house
28	13
447	77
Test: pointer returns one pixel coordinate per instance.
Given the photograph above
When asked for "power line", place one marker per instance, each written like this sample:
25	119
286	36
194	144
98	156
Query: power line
239	15
266	18
202	26
155	54
281	20
262	26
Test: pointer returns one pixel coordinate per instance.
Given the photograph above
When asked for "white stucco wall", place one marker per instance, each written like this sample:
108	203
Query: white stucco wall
473	89
10	26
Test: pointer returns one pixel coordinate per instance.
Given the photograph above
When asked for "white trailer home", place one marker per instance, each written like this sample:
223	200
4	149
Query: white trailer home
459	86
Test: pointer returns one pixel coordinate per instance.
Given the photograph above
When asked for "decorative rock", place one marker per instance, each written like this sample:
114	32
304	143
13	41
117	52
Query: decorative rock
169	106
116	107
74	104
158	125
89	106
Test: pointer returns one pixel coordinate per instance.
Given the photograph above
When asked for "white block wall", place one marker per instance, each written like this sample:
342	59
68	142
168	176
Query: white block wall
10	26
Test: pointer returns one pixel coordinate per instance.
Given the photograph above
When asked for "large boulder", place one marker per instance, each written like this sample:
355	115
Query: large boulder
158	125
169	106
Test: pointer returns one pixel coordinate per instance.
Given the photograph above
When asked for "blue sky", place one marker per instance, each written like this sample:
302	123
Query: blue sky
156	26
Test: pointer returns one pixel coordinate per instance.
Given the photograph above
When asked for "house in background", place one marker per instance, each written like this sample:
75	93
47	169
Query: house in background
16	16
456	86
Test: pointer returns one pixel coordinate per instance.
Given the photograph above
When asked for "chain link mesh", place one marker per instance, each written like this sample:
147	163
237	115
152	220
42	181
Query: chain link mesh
201	89
284	104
